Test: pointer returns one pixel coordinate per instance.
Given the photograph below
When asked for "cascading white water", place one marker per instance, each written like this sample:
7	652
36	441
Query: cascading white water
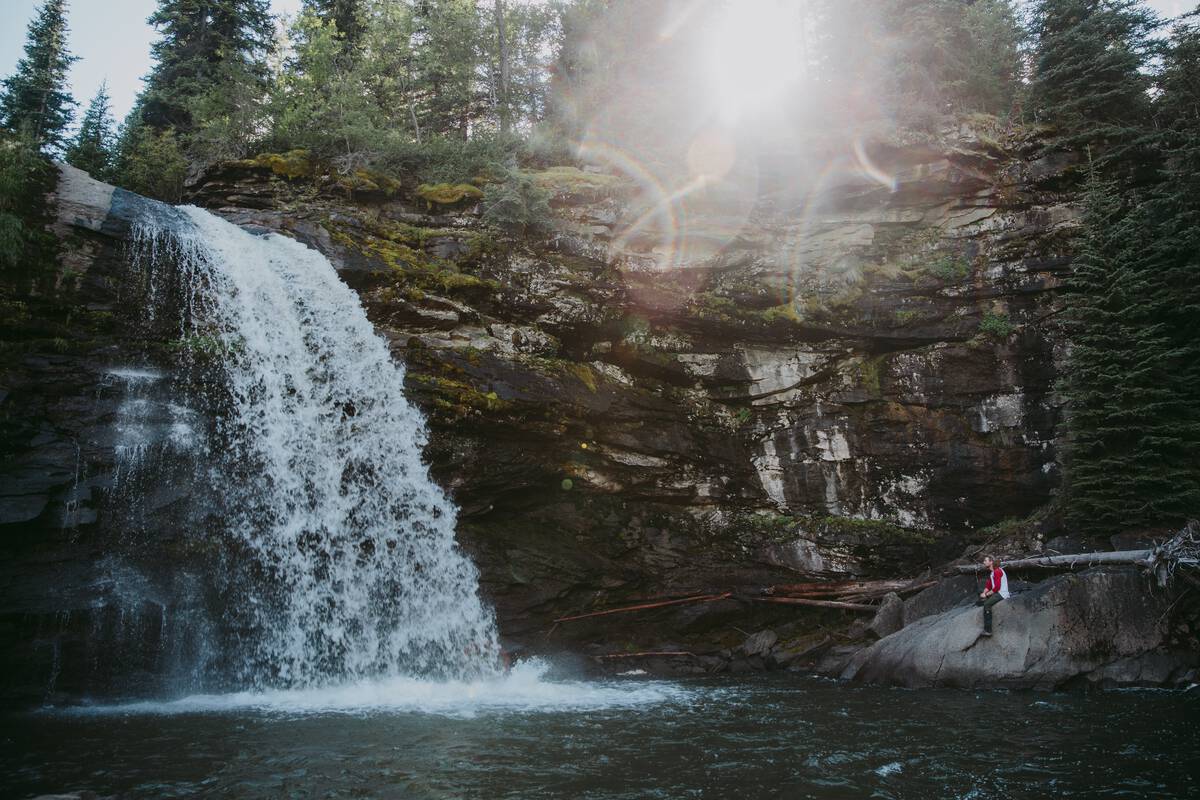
345	561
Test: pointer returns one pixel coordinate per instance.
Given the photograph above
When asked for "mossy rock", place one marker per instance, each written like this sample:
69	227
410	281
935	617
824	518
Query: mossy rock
448	194
291	165
365	180
572	181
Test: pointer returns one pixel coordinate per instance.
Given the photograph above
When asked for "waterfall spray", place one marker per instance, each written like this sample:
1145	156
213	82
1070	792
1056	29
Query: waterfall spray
341	559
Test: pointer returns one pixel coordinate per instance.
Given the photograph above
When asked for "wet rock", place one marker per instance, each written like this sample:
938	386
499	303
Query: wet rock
890	616
1105	626
1067	545
944	595
759	644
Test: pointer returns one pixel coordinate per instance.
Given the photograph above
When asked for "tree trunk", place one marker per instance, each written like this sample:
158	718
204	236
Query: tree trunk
1067	562
505	69
804	601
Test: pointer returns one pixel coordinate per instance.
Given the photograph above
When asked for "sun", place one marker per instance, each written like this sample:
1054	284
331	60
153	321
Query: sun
754	55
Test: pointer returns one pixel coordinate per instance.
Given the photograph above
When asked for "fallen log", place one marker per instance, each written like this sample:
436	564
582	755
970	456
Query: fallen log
852	592
1067	562
646	654
835	587
701	598
804	601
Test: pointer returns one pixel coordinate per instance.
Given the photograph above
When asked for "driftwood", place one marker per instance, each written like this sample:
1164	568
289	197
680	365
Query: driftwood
804	601
1163	560
700	598
1067	562
847	591
836	588
646	654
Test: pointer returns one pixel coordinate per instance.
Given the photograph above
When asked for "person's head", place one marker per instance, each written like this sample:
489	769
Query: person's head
989	562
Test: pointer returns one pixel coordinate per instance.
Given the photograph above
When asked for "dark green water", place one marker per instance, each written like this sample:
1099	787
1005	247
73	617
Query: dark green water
762	737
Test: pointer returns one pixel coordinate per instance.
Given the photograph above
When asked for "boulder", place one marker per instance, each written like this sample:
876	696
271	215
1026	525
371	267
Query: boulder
759	644
942	596
890	616
1106	625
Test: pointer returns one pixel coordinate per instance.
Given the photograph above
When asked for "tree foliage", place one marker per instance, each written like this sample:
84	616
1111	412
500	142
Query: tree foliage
1089	76
202	47
35	99
92	148
154	164
25	177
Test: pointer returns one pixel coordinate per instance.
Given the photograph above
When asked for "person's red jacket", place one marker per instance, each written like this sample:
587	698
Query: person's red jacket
998	582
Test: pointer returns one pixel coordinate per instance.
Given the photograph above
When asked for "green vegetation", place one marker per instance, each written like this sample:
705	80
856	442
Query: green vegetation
920	59
910	316
949	267
446	194
997	325
35	102
25	177
92	148
155	164
1132	427
518	204
1089	80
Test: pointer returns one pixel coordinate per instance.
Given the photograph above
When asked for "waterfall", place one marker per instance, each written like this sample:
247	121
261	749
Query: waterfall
340	560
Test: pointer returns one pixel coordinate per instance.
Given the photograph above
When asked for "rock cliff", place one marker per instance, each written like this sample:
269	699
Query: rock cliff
846	374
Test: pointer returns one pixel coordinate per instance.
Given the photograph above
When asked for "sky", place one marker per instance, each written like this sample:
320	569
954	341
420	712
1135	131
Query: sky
112	39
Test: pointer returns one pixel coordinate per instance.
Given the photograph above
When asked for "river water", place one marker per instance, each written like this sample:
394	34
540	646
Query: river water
536	736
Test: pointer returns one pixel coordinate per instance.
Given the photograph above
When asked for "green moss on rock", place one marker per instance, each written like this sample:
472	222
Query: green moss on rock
448	194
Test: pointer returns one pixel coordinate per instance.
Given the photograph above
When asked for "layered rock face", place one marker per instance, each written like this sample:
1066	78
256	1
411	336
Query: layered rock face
848	372
845	374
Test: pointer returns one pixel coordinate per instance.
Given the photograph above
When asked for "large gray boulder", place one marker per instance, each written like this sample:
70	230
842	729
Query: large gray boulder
1107	625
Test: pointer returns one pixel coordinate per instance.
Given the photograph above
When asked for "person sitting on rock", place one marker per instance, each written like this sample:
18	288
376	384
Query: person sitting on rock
995	590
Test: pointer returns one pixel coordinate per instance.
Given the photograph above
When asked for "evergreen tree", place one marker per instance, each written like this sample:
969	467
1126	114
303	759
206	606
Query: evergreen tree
1174	258
1089	79
447	34
347	17
35	99
92	148
1131	423
203	45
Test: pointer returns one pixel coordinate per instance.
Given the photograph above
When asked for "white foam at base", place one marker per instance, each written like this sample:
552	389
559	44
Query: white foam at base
523	690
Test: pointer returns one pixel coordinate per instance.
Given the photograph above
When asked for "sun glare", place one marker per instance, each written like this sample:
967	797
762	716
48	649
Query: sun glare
755	55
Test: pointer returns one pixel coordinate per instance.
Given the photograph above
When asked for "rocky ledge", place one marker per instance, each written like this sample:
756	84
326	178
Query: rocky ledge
1110	627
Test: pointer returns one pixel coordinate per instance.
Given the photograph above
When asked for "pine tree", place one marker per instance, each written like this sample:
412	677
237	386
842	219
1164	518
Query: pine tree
1131	424
1174	210
1089	79
347	16
203	44
35	99
92	148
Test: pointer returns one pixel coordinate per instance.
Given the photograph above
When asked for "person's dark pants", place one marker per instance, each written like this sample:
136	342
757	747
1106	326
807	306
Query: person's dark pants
987	604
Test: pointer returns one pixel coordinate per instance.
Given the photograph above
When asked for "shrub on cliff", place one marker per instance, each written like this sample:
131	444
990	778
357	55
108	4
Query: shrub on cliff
25	177
154	165
517	204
